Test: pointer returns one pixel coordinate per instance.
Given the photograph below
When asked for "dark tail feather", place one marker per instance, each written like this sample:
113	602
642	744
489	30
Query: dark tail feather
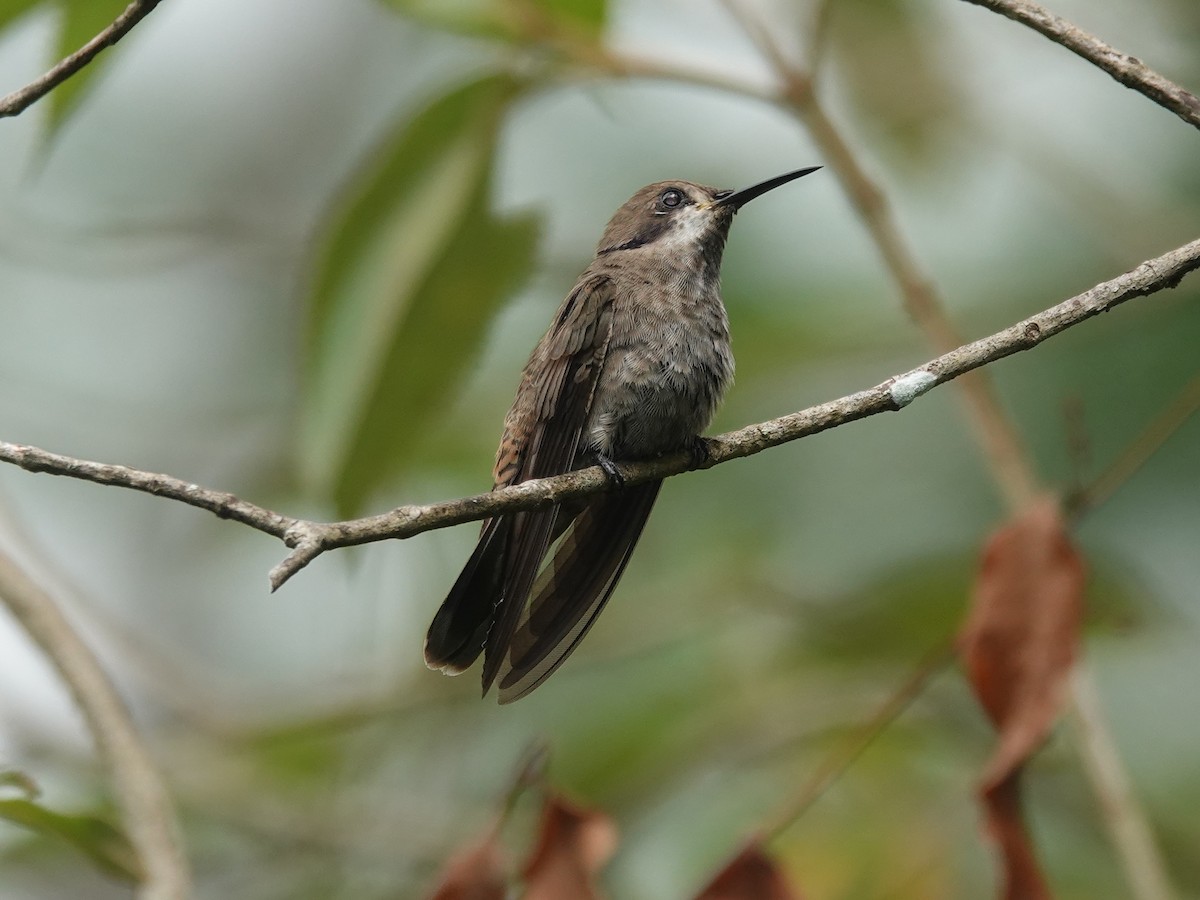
574	586
529	538
457	634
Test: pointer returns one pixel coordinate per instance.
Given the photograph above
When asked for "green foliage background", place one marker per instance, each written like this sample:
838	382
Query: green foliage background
299	250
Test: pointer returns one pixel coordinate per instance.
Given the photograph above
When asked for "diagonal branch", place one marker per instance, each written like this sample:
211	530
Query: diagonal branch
310	539
1128	70
145	806
1134	456
19	100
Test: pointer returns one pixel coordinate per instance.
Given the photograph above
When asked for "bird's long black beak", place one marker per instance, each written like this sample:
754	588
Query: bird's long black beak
738	199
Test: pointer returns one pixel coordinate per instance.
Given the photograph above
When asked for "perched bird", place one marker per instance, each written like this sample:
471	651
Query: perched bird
633	366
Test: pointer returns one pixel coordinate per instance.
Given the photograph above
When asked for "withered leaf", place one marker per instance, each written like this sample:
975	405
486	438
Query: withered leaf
474	873
1018	645
750	875
573	845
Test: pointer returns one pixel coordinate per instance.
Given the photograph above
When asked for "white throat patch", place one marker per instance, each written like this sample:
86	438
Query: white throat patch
691	223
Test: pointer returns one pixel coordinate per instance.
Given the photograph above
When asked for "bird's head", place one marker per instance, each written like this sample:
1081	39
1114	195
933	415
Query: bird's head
681	217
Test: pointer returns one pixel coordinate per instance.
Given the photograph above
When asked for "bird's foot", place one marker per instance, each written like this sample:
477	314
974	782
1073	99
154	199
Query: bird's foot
615	478
700	450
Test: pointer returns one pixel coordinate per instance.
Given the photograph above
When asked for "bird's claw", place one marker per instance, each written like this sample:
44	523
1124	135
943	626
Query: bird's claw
615	478
700	450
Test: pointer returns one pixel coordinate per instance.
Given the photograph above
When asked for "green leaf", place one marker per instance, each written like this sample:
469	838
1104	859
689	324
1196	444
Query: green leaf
14	778
482	18
79	22
82	20
103	844
11	10
586	14
506	19
411	272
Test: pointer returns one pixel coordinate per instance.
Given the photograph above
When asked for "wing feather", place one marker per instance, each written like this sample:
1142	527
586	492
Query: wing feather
563	370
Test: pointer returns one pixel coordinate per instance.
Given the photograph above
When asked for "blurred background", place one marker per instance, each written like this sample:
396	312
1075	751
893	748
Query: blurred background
300	249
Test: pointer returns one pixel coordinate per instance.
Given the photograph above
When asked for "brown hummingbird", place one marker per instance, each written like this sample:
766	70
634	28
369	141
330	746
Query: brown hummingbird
633	366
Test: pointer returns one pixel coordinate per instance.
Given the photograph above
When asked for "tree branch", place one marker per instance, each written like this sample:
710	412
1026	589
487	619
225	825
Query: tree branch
1126	69
835	764
310	539
145	807
18	101
220	503
1141	861
1185	404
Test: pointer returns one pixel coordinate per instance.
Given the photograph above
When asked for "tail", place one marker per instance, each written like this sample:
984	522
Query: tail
459	630
571	590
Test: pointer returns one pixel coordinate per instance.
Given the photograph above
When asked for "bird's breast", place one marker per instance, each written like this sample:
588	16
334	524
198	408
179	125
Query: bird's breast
668	365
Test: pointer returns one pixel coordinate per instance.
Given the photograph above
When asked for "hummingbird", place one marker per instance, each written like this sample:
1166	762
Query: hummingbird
633	366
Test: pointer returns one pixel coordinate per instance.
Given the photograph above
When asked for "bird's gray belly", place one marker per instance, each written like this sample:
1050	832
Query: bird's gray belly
653	398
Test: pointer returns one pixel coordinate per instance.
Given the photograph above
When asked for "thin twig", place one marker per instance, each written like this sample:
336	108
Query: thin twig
1145	445
759	36
19	100
310	539
1144	867
1126	69
220	503
145	807
836	763
994	432
818	34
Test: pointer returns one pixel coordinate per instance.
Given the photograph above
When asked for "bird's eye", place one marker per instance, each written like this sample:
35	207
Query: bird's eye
671	198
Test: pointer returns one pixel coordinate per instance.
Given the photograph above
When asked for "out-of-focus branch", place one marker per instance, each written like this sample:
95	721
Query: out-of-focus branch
836	764
1144	867
1128	70
1165	424
311	539
19	100
220	503
998	440
146	812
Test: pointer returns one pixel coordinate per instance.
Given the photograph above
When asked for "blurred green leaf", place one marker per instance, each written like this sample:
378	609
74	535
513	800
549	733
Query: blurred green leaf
410	273
892	56
588	14
14	778
913	606
79	22
102	843
506	19
895	619
82	21
11	10
484	18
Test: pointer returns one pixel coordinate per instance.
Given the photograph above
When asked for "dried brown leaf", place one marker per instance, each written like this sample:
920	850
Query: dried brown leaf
1023	879
573	844
751	875
1018	645
474	873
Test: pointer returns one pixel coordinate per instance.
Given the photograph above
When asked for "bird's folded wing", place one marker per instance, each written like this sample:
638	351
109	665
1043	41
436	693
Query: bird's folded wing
562	373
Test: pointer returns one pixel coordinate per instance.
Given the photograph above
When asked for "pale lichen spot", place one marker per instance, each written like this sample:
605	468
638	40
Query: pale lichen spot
907	388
